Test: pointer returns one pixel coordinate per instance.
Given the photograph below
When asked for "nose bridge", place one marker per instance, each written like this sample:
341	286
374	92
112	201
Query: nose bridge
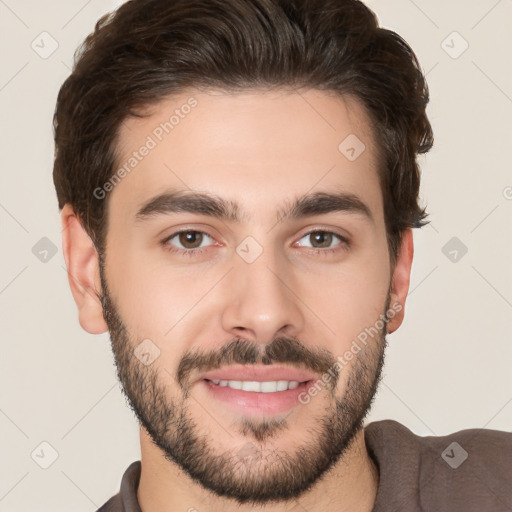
260	302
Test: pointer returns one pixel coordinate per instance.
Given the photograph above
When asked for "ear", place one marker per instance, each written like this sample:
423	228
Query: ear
82	264
400	281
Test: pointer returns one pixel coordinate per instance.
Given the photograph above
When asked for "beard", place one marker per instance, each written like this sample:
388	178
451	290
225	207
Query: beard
250	473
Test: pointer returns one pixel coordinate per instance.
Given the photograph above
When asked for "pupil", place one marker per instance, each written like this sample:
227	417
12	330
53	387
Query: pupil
325	236
190	238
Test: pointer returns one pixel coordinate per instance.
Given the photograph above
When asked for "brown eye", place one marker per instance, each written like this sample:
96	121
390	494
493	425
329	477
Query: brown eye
321	239
190	239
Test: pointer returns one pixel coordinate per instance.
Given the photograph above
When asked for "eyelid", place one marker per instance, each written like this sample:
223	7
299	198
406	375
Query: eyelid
167	239
345	237
344	241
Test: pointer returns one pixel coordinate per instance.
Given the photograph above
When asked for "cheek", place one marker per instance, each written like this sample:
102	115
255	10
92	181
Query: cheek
174	306
351	299
162	305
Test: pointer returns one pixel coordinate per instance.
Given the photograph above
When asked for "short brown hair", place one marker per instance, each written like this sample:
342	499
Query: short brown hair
149	49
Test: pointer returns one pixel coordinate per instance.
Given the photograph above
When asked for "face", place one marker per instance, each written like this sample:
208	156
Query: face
246	245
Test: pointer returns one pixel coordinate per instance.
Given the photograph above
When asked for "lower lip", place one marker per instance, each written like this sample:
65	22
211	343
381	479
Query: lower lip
252	402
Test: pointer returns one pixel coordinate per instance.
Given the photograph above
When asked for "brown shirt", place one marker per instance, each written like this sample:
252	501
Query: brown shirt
467	471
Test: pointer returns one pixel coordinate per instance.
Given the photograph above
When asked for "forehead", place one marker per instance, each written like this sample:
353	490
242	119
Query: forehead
250	146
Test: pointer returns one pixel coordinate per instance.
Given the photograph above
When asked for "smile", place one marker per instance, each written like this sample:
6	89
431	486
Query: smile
272	386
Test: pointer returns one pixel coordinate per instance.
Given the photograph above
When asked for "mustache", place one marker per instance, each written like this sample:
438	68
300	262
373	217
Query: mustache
240	351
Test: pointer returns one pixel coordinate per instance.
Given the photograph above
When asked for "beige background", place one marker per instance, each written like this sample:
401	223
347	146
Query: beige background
447	368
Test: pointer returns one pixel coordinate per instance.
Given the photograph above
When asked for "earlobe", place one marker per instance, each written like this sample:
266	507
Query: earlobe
400	281
82	265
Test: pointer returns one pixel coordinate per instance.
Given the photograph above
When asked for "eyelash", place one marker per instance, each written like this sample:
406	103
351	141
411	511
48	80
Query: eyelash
184	252
344	243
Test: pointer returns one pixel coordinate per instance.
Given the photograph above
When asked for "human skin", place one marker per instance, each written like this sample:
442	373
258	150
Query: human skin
261	149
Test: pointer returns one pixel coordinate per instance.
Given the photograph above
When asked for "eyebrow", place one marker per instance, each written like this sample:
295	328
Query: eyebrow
318	203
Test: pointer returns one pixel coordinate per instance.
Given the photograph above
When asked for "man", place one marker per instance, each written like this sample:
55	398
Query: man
238	184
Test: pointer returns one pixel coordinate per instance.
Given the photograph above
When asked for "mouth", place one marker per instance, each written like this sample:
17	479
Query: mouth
252	386
252	376
256	390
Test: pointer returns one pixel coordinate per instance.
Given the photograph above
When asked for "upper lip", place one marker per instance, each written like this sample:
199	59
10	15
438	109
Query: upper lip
259	374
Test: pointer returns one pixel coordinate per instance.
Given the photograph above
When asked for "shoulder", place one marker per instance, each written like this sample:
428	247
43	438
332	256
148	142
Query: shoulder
479	444
466	470
112	505
126	499
487	443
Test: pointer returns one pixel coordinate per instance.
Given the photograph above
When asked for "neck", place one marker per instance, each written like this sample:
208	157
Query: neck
351	485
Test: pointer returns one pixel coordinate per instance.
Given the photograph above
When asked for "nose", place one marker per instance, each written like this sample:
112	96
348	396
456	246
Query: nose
260	301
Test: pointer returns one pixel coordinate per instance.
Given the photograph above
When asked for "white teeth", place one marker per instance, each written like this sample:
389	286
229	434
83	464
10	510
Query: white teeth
282	385
258	387
249	386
